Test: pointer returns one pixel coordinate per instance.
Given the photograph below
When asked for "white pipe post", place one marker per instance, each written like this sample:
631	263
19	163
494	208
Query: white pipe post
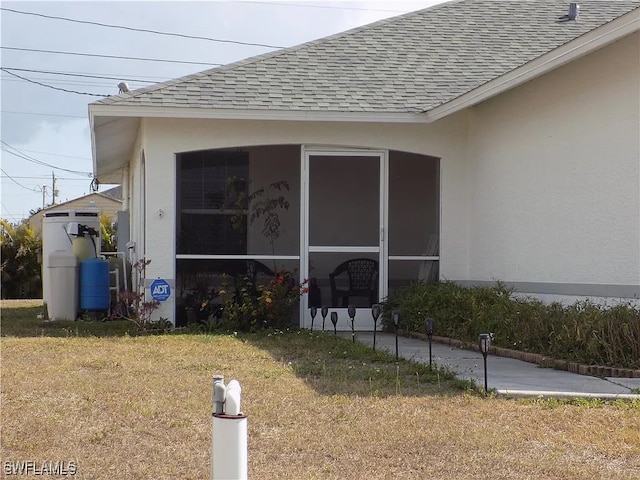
229	449
219	391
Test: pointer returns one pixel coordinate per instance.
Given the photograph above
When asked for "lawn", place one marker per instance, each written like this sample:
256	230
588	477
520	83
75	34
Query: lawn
319	407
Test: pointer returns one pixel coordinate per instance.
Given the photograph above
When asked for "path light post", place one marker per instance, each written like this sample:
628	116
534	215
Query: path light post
334	320
484	342
324	311
428	326
352	314
376	310
395	316
314	312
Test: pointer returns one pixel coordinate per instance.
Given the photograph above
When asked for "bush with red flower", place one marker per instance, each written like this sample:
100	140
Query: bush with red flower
268	304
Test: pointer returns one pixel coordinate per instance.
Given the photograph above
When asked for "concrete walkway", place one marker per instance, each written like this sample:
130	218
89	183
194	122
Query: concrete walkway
507	376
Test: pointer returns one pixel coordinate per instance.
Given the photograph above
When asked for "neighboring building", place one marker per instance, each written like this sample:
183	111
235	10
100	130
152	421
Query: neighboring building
107	203
472	141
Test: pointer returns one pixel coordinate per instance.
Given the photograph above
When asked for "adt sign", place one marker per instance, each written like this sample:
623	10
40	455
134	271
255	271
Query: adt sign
160	290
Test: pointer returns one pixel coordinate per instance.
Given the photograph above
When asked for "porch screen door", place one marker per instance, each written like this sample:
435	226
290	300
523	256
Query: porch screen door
344	237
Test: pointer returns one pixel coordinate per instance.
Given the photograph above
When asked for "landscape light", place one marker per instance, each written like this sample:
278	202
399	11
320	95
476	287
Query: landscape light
334	320
376	310
314	312
395	316
484	343
428	326
324	311
351	309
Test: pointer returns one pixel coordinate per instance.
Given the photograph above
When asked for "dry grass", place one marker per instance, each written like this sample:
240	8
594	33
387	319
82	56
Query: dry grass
140	408
20	303
22	318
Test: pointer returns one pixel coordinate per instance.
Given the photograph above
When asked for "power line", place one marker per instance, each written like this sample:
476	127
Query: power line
119	57
53	79
141	78
13	112
26	178
62	83
67	83
55	154
14	180
8	148
324	6
69	74
66	179
9	214
144	30
51	86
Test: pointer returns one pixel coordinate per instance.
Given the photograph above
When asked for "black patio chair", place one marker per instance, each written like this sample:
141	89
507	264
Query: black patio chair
362	276
246	278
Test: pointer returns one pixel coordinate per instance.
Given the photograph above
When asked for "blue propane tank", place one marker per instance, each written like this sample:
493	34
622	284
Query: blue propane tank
94	284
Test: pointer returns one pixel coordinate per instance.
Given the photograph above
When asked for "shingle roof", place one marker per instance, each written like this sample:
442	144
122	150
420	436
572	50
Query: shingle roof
114	193
409	63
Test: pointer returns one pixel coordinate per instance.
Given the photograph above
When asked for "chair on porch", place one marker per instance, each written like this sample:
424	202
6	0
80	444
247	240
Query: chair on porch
362	276
246	278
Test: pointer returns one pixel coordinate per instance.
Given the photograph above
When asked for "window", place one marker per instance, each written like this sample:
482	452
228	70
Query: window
212	190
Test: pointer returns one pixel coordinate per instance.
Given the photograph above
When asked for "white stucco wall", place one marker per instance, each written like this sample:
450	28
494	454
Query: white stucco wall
555	172
539	185
163	138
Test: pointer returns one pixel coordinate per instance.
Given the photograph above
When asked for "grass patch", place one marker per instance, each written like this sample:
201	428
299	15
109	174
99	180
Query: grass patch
140	407
335	365
20	319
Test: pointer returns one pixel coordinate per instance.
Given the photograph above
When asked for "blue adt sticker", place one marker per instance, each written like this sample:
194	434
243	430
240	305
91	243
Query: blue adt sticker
160	290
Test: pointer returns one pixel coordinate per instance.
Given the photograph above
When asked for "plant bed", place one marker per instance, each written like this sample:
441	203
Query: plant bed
541	360
584	333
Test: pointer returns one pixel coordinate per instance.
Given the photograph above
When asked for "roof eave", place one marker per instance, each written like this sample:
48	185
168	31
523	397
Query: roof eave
111	154
98	110
583	45
107	162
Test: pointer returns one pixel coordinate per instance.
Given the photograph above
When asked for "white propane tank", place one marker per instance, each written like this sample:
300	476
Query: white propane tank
83	247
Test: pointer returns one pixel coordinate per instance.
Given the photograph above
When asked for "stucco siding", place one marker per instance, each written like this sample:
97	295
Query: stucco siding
134	200
555	172
539	185
164	138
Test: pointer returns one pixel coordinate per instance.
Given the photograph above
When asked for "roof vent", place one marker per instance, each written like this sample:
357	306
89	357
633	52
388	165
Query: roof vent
124	88
574	11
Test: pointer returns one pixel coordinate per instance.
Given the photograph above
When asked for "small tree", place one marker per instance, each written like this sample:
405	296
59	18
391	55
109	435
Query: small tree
264	204
20	269
135	308
108	237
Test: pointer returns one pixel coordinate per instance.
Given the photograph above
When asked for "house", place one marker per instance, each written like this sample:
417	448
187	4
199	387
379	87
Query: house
108	202
472	141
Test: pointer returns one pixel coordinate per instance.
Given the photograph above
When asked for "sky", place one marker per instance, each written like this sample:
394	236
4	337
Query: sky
45	94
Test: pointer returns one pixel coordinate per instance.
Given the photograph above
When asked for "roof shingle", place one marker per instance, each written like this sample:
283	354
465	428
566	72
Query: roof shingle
410	63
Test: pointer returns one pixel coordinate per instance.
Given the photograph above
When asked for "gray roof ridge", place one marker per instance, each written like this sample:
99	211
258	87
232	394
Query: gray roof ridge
263	56
427	109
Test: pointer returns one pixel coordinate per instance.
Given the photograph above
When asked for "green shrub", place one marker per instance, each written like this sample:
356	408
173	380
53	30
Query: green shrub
253	308
583	332
19	269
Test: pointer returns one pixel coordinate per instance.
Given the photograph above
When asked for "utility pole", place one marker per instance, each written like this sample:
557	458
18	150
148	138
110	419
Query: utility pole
55	192
44	195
